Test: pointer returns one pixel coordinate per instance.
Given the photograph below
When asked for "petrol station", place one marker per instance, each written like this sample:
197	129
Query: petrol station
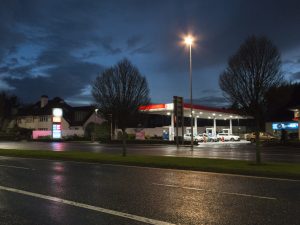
198	112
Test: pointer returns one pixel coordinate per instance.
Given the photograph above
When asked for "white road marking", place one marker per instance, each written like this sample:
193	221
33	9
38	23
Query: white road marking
16	167
86	206
214	191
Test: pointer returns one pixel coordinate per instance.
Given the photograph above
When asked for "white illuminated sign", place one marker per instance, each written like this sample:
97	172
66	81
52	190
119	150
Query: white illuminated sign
285	125
56	123
56	119
57	112
56	131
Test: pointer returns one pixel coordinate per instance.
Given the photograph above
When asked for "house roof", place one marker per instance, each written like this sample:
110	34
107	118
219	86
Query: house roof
70	113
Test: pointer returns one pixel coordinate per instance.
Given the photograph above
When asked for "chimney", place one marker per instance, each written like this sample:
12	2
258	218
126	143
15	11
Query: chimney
44	101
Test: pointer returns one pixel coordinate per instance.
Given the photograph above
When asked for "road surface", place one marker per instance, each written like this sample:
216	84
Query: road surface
238	151
52	192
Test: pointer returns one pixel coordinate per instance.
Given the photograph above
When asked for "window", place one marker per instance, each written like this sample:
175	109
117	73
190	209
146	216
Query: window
43	118
80	115
29	119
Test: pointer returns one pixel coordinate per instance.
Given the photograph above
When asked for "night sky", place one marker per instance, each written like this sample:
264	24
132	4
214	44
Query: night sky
58	47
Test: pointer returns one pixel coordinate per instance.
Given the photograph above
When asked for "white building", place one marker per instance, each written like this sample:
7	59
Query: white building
39	118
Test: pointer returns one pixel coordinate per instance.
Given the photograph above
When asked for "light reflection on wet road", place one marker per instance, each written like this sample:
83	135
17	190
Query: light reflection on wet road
172	196
237	151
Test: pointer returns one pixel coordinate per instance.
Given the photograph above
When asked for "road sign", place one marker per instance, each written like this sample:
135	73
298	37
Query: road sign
178	115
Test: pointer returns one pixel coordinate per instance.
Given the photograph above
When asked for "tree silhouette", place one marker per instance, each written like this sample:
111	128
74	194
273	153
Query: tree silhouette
251	72
8	108
119	91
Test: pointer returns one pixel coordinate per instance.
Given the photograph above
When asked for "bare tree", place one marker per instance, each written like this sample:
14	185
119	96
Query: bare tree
119	91
251	72
8	109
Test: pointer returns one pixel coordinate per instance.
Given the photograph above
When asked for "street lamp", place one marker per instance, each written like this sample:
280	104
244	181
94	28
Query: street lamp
111	126
96	118
189	40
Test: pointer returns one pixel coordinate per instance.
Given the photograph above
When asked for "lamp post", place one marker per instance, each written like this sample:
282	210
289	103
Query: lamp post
188	40
111	126
96	118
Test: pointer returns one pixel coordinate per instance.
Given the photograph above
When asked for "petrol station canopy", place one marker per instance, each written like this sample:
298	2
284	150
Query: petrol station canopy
199	111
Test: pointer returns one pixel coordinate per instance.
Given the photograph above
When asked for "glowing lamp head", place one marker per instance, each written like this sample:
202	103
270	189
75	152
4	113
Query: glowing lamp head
188	40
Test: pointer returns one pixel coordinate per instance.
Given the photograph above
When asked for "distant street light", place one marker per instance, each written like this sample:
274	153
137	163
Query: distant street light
189	40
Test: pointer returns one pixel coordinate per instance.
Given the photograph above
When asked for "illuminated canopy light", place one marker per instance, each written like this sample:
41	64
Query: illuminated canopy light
57	112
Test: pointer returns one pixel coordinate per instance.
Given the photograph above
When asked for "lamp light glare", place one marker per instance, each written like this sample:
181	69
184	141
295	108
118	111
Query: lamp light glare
188	40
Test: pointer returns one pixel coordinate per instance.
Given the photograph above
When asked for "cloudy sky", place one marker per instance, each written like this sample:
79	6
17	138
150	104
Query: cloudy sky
58	47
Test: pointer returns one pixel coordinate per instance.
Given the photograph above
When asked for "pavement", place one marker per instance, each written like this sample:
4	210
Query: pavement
34	191
223	150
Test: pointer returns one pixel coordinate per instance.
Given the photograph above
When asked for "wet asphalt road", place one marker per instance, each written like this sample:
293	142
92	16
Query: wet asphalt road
236	150
170	196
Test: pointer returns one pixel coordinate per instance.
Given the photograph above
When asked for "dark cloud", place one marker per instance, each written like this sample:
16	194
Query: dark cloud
210	91
20	72
213	101
107	44
55	46
14	62
145	49
63	81
53	56
4	69
133	41
296	76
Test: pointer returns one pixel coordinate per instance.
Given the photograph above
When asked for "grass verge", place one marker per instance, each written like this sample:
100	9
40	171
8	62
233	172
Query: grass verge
282	170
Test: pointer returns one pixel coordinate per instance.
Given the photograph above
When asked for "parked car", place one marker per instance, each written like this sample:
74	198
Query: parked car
209	138
197	138
263	136
228	137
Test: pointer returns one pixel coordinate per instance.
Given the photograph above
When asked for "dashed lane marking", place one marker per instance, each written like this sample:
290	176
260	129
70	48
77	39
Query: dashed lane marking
215	191
16	167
